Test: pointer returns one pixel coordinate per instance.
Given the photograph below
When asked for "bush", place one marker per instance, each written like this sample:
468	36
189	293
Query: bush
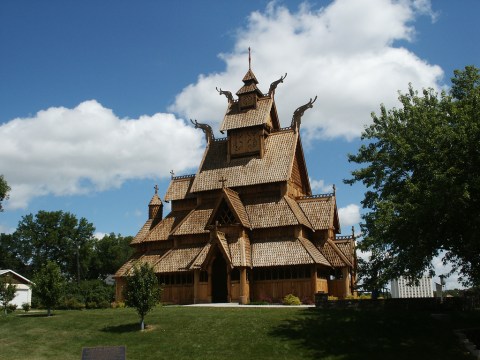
11	307
291	299
71	303
118	305
308	301
26	307
332	298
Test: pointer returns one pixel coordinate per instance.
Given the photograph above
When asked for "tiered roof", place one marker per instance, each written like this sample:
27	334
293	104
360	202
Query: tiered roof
222	179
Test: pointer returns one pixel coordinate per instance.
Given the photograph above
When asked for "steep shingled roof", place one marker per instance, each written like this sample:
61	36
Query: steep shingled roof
275	166
179	188
318	211
235	118
285	251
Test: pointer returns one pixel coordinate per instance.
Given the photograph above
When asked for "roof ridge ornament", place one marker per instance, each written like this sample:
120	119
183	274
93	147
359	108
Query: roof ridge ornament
273	85
249	59
207	130
298	113
228	94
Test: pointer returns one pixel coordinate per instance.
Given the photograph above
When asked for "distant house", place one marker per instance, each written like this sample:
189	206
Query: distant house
402	289
24	287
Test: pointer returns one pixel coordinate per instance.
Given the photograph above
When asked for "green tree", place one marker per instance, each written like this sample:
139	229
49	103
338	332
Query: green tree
142	291
48	285
4	190
56	236
422	173
110	253
11	254
7	292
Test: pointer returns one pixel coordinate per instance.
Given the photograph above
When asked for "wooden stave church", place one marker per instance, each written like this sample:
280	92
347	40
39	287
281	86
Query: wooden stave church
246	226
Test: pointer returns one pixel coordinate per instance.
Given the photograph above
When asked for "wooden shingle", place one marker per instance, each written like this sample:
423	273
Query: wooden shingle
283	252
236	118
179	188
273	167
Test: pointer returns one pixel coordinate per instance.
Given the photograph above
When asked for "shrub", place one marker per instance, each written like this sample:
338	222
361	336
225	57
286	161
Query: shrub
118	305
332	298
26	307
71	303
11	307
291	299
308	301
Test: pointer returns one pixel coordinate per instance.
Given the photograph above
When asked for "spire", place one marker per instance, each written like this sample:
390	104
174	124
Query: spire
249	93
155	207
249	59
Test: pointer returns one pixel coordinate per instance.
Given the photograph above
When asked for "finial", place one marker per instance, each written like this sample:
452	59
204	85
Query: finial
353	232
172	173
156	189
249	59
334	189
223	180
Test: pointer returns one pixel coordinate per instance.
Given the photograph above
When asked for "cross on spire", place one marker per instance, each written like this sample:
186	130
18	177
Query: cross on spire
222	180
156	189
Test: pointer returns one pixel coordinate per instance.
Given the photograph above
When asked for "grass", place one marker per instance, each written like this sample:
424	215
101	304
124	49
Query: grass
235	333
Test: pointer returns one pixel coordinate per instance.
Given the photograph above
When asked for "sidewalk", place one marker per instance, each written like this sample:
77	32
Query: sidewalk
251	306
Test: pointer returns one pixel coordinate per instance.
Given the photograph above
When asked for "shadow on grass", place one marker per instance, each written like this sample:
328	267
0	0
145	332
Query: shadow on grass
37	315
352	335
124	328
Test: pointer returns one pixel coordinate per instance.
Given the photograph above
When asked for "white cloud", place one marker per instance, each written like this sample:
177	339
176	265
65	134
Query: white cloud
64	151
349	215
99	235
319	186
4	229
345	53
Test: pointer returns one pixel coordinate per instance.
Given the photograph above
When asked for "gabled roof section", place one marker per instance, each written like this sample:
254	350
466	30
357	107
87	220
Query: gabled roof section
177	259
240	251
274	166
336	256
346	244
321	211
195	221
142	233
286	251
236	118
275	211
179	188
161	230
217	241
231	199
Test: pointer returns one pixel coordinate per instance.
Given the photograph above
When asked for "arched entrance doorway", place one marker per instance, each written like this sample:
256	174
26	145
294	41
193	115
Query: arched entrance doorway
219	280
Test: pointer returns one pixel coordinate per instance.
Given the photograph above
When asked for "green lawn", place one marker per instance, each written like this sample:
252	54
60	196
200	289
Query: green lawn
234	333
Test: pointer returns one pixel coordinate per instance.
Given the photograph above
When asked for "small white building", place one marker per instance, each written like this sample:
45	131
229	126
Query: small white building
23	285
400	288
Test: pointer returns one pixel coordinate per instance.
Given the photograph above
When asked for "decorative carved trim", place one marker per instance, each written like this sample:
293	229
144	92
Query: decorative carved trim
273	85
207	130
318	196
298	113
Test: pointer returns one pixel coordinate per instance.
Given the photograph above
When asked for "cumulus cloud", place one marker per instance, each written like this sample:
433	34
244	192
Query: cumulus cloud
62	151
345	53
319	187
349	215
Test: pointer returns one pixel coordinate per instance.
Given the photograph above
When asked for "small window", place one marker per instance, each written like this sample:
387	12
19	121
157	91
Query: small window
235	275
203	276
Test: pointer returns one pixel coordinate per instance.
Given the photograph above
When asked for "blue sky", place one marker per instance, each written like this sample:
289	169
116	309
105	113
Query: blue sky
95	96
